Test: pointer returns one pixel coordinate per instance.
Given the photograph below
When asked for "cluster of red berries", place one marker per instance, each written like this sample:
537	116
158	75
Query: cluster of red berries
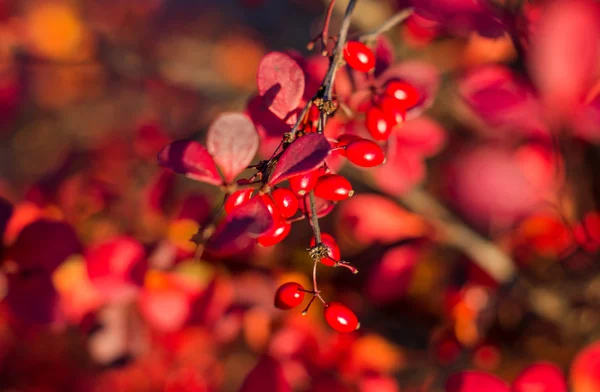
386	110
339	317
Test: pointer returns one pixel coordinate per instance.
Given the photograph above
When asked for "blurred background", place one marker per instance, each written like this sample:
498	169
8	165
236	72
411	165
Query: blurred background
477	243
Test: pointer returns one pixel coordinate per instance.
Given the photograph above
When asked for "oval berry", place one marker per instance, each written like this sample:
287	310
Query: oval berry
341	318
334	249
343	141
359	56
365	153
333	187
304	183
273	209
286	201
278	232
378	124
238	198
403	92
289	295
393	109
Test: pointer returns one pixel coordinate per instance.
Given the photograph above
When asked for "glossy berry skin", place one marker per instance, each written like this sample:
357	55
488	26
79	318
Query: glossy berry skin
289	295
393	109
359	56
333	187
403	92
340	318
286	201
334	249
304	183
278	232
343	141
273	209
238	198
365	153
378	124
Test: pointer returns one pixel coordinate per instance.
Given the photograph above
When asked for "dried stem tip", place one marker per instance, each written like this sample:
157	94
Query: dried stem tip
318	252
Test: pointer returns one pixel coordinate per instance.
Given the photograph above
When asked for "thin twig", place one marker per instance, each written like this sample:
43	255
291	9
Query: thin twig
395	20
325	31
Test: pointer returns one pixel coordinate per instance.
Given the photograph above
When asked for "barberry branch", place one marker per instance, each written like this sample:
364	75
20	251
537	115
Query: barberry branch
395	20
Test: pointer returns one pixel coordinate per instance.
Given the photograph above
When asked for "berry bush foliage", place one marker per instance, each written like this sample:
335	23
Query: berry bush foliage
387	196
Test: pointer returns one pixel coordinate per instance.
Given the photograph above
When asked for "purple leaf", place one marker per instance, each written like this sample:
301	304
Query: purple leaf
281	82
190	158
303	155
267	376
241	227
232	141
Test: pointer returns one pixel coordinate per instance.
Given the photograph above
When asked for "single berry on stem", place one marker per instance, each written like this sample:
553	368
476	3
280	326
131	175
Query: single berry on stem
404	92
359	56
286	201
331	244
365	153
238	198
333	187
289	295
379	124
304	183
340	317
343	140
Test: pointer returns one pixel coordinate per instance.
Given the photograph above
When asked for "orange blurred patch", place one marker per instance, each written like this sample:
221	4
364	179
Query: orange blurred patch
181	231
374	353
236	59
483	50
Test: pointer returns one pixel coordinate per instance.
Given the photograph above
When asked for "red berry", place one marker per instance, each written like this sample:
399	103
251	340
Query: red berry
393	109
278	232
334	249
340	318
238	198
273	209
403	92
286	201
343	140
379	124
304	183
333	187
289	295
365	153
359	56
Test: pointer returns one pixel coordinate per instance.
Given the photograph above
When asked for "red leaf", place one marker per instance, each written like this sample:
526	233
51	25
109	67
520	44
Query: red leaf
117	268
32	298
303	155
232	141
54	240
540	377
241	227
390	279
267	376
281	82
475	381
190	158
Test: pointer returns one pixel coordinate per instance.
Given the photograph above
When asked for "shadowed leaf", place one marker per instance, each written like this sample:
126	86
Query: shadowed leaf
281	82
303	155
190	158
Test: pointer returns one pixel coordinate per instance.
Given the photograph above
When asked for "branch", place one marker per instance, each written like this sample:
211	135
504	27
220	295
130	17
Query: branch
395	20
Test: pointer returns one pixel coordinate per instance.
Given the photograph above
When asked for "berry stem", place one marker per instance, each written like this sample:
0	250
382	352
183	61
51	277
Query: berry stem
325	31
395	20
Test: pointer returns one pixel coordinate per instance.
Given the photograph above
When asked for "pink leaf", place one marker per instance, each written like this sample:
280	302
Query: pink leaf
422	135
303	155
190	158
281	82
117	268
390	279
267	376
401	172
564	57
241	227
475	381
232	141
166	310
540	377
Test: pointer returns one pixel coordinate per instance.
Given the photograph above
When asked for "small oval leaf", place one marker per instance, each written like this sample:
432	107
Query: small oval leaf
267	376
303	155
232	141
281	82
190	158
475	381
542	377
